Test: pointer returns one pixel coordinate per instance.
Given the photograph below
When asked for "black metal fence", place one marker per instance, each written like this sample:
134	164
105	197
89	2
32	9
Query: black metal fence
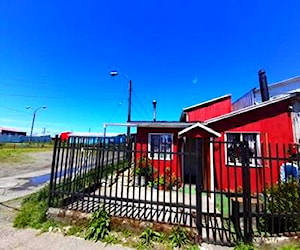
225	191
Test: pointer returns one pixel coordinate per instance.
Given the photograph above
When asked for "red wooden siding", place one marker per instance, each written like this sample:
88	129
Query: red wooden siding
142	149
274	125
210	110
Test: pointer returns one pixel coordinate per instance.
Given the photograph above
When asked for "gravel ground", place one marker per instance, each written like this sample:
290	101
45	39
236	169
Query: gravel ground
15	178
32	162
13	186
12	177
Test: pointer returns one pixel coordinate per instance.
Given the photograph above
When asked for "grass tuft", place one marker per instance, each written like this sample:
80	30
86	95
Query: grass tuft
33	212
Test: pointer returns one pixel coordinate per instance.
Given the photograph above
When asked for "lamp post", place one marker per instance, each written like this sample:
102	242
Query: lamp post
115	73
33	119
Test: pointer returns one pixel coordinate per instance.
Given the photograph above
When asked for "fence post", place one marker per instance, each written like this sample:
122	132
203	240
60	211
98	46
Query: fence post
52	172
199	185
246	183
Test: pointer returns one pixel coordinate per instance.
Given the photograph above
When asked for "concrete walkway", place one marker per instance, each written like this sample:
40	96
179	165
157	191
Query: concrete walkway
30	239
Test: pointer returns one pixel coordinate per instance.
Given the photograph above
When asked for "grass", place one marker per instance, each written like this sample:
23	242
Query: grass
17	152
33	210
33	214
188	189
290	245
222	203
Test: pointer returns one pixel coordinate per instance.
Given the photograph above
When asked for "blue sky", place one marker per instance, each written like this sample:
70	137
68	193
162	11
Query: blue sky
60	53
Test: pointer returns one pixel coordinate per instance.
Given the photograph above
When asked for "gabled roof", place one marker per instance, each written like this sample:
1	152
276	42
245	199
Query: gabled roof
11	130
183	113
253	107
206	102
201	126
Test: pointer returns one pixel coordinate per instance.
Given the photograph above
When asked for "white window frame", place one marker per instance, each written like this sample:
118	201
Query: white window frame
258	153
160	156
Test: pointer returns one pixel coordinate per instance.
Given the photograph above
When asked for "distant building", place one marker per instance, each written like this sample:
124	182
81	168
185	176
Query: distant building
96	137
11	131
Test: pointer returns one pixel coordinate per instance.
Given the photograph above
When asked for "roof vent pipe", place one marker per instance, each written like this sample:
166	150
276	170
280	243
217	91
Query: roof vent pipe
154	110
264	91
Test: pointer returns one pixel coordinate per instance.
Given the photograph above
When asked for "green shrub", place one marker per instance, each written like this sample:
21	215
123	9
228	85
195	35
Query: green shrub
41	195
149	235
31	214
33	211
179	237
283	207
99	226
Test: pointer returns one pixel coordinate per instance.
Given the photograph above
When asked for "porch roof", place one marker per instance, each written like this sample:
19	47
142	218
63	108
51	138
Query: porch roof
147	124
201	126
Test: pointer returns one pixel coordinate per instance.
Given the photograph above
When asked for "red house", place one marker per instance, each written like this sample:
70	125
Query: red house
264	126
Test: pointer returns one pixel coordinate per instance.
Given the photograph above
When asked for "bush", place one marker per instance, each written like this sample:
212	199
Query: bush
179	237
99	226
33	212
41	195
283	207
148	236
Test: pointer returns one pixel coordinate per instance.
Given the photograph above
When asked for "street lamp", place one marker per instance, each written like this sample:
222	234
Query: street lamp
33	119
115	73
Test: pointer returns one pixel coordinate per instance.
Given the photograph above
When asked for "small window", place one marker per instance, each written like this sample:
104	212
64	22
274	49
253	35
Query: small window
160	146
233	149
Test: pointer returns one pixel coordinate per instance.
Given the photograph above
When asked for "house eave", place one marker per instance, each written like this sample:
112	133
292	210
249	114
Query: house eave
250	108
206	102
151	124
201	126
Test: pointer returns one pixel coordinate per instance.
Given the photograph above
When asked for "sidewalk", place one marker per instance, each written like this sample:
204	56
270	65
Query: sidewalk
30	239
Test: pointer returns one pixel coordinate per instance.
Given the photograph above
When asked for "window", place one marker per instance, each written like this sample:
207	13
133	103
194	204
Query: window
160	146
234	147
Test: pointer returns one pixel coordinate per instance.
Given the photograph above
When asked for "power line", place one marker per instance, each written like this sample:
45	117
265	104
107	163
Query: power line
58	97
115	113
16	110
142	106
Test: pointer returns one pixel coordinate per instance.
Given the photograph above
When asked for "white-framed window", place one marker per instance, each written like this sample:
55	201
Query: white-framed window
160	146
233	148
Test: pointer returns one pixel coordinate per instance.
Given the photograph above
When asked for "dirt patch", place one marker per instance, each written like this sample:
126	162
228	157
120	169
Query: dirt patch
31	162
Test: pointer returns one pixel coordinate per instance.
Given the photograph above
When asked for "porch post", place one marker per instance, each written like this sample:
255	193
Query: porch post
211	158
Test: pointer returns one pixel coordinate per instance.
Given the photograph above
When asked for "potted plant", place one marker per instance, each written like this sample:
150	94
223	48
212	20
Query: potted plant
159	182
175	182
139	179
143	171
166	180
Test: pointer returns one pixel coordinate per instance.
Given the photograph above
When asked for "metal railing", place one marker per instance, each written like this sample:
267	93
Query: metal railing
226	196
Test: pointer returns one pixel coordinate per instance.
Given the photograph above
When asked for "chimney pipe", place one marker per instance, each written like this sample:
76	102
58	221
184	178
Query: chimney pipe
263	84
154	110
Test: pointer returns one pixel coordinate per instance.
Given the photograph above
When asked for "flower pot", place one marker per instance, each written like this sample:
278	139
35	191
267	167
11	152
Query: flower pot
139	180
